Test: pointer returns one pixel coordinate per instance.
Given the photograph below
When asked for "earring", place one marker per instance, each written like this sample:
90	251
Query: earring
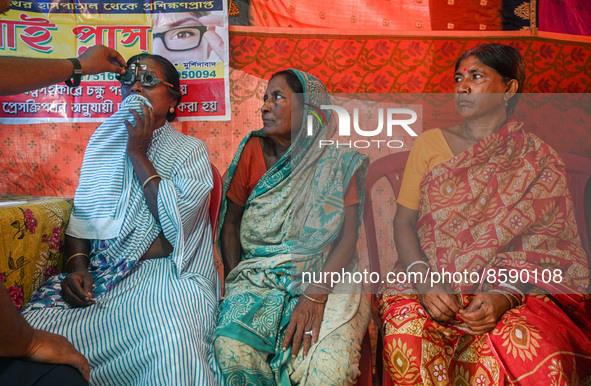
171	110
506	100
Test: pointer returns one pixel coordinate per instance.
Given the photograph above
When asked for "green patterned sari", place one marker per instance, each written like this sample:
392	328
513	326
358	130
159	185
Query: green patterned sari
289	225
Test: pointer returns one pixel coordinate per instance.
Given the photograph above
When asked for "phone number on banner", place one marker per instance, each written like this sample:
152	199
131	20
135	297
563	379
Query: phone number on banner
197	74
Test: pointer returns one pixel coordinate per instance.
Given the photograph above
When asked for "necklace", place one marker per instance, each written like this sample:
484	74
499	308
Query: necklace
465	130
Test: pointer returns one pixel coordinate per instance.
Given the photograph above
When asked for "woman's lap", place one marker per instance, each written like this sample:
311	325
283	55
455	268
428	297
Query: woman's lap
149	328
241	364
416	347
334	360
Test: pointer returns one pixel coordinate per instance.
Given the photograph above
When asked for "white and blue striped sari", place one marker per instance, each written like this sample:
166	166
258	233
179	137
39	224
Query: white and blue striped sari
153	320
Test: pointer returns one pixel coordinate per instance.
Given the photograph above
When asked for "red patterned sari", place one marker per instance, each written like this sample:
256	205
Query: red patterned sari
502	204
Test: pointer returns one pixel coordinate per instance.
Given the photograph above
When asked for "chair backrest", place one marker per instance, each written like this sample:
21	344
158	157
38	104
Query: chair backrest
215	198
578	173
391	167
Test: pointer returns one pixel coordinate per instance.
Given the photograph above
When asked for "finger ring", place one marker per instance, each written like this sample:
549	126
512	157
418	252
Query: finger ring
311	332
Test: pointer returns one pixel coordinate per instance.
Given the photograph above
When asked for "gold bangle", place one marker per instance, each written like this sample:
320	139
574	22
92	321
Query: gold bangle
149	179
74	255
321	287
314	300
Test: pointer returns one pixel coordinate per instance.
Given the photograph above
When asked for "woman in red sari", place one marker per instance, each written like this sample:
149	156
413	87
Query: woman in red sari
487	199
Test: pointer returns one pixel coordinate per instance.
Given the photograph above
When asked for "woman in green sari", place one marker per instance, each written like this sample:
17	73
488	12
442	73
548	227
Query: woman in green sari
291	206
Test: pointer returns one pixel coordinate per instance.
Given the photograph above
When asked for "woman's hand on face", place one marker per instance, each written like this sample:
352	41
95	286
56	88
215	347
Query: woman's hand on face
439	302
77	289
140	134
484	312
306	316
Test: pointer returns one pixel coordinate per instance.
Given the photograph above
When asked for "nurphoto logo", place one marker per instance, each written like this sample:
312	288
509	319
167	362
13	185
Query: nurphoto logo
392	118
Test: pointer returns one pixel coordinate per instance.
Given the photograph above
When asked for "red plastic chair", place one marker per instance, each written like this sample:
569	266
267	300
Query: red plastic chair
391	167
365	362
578	174
215	198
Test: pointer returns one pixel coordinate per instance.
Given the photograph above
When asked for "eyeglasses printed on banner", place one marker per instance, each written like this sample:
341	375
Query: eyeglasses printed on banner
182	38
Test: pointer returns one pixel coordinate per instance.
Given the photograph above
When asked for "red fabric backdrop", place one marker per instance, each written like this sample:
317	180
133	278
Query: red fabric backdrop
45	159
371	15
566	16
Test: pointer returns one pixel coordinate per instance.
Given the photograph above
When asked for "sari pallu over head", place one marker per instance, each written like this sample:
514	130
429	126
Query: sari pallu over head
289	224
503	204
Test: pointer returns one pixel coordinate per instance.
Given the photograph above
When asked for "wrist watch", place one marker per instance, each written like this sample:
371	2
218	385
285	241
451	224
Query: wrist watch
74	81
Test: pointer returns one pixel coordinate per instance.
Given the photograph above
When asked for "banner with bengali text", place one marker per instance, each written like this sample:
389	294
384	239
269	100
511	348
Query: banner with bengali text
192	35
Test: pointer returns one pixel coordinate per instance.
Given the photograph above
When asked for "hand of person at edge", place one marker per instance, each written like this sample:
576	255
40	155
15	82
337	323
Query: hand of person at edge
484	312
307	315
55	349
439	302
77	289
98	59
140	134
